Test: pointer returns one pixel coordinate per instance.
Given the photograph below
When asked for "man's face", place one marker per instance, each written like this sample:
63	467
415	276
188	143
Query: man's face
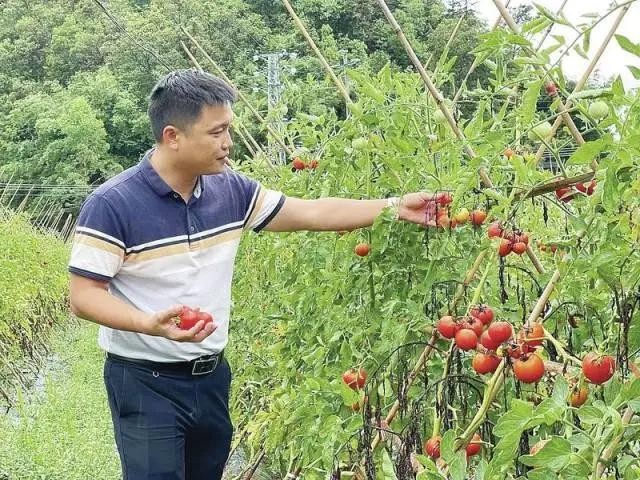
204	147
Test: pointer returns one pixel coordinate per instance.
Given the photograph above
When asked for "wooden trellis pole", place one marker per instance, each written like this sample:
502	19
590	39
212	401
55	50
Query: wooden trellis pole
564	114
475	63
338	83
585	76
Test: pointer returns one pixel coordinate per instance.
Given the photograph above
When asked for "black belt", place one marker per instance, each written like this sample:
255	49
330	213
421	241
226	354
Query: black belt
197	366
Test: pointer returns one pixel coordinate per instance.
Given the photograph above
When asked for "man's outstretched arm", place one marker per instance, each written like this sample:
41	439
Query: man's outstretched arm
335	214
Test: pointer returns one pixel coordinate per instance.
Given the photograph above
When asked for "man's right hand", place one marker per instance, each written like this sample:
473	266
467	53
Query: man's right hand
163	324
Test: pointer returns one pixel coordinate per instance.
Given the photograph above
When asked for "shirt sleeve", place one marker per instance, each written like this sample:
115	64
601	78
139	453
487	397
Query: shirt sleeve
262	204
98	244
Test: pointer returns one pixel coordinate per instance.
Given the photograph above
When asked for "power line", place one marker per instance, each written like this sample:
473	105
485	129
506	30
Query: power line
123	30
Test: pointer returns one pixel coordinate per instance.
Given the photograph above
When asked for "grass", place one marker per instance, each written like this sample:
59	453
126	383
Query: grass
64	431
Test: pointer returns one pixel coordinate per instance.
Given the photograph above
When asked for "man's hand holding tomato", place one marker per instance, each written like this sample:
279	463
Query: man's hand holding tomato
193	325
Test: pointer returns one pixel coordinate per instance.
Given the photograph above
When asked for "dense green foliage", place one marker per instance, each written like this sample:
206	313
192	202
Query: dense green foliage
33	283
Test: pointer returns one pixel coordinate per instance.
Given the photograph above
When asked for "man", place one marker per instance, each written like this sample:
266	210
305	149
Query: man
164	234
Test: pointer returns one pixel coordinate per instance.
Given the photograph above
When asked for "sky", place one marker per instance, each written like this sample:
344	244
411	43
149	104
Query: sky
614	60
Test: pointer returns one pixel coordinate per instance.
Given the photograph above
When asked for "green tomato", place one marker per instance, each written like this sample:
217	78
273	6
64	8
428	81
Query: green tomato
359	143
439	117
598	110
540	131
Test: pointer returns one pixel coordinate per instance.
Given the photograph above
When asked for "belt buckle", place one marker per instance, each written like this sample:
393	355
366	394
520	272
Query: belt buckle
202	367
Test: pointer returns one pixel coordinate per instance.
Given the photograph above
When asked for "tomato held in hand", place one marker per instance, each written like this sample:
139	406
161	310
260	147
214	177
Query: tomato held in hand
189	317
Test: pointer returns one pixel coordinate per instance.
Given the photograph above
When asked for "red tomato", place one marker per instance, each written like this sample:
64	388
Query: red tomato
478	217
475	445
486	341
431	447
508	153
444	198
485	363
564	194
362	249
355	380
313	164
598	368
188	318
447	326
298	164
579	396
519	248
494	229
483	313
551	89
466	339
533	335
500	331
529	369
474	324
505	247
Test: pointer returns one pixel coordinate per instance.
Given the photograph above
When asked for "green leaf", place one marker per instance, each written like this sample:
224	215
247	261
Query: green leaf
554	455
635	71
628	45
529	102
387	467
588	151
590	415
515	419
547	13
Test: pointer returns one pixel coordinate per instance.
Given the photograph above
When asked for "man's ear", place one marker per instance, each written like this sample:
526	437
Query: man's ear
170	136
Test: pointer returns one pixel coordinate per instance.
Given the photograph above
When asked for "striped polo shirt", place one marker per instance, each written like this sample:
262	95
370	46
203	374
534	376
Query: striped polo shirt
156	250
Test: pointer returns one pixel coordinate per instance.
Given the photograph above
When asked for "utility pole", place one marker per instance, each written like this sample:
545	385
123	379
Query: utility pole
275	88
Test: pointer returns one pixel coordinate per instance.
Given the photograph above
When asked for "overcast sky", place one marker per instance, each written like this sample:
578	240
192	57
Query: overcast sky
614	59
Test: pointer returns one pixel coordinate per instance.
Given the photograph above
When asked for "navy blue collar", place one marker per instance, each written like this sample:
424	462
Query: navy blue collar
158	185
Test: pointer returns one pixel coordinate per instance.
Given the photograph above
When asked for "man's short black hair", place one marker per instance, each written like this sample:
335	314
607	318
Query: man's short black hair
177	99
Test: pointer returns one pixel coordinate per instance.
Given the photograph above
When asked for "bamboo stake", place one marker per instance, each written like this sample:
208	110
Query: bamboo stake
23	202
260	118
246	142
554	185
564	114
254	467
338	83
583	80
191	57
449	42
433	90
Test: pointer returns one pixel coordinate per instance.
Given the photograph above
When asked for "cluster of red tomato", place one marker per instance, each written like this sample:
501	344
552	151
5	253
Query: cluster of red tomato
566	194
299	164
510	241
496	340
438	215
